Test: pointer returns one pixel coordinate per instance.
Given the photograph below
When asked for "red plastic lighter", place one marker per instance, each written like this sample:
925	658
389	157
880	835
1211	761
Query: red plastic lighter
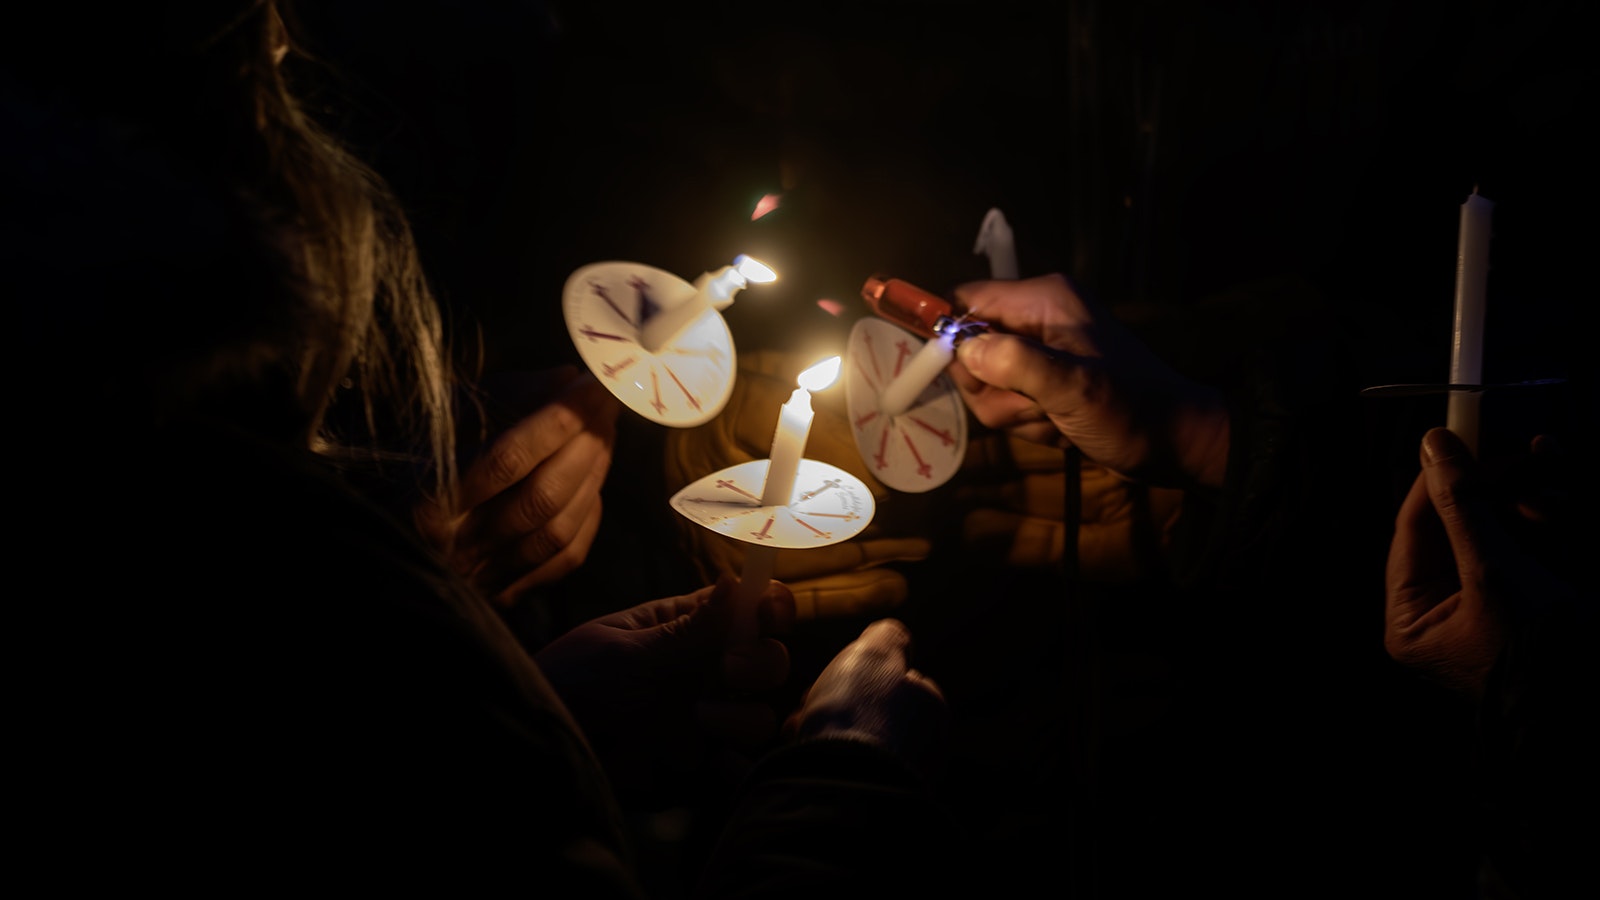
911	307
905	304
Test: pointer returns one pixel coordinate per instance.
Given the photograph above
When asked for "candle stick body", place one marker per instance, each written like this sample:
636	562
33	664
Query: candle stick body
760	562
898	395
1466	348
712	291
996	240
783	465
788	447
661	328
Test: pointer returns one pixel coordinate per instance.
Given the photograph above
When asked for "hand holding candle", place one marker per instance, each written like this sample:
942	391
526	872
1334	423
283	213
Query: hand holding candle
783	464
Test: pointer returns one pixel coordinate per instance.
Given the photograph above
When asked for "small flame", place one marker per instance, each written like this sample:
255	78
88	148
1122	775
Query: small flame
822	374
754	269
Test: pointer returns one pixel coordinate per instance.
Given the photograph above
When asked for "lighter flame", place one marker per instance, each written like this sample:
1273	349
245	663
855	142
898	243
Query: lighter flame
821	375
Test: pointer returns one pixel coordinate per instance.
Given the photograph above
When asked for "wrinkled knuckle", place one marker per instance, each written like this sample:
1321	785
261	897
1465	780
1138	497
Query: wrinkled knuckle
564	419
569	559
539	506
602	460
562	536
555	556
539	548
1400	641
1394	645
506	462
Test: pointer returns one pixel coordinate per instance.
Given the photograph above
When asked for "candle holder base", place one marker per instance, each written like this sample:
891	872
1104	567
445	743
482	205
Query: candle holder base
919	449
829	505
683	383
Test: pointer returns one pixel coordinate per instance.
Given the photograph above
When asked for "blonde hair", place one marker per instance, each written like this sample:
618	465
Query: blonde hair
199	247
371	367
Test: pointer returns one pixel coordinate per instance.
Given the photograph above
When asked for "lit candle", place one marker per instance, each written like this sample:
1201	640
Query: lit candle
783	465
995	239
712	291
1466	348
794	427
898	395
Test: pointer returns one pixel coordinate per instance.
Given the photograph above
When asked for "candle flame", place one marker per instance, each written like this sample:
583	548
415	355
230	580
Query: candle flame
821	375
754	269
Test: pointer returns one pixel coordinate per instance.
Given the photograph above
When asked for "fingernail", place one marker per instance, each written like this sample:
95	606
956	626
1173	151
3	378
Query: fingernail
1441	444
971	351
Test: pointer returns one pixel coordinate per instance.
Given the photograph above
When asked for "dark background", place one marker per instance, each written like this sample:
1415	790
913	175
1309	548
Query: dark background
1162	154
1155	151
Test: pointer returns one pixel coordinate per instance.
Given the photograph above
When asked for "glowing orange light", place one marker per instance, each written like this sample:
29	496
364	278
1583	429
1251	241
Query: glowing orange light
766	204
831	307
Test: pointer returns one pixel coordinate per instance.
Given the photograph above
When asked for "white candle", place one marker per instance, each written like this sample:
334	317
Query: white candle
669	322
1466	347
995	239
760	561
794	427
712	291
788	446
783	465
898	395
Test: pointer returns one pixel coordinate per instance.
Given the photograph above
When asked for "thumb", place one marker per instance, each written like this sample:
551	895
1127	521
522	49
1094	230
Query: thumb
691	635
1457	492
676	643
1017	363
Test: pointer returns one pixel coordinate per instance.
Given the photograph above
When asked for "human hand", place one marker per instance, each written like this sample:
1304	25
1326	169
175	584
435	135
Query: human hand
1061	371
869	692
1457	580
857	577
659	693
529	503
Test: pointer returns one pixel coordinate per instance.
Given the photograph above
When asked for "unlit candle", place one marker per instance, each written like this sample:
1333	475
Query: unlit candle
996	240
1466	347
919	372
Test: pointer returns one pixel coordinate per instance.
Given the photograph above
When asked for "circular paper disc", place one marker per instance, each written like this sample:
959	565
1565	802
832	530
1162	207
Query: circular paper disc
830	505
921	448
687	381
